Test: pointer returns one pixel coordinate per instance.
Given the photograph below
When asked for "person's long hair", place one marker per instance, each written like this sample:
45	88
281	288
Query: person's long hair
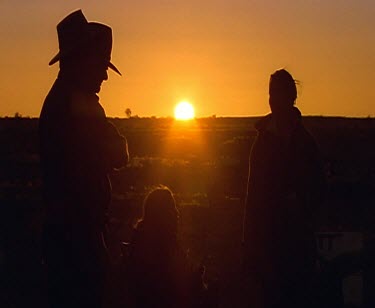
160	216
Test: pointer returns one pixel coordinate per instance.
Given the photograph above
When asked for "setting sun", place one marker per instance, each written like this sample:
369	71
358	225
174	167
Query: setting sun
184	111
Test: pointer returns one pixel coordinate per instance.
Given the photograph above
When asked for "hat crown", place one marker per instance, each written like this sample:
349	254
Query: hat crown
76	33
100	38
71	30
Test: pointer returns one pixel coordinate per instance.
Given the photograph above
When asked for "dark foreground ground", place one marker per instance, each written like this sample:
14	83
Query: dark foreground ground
205	164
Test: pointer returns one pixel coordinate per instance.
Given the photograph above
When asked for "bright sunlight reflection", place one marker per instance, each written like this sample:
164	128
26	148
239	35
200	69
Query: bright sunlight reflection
184	111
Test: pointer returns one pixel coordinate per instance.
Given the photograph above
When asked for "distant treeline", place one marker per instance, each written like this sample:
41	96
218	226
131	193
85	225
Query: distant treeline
207	156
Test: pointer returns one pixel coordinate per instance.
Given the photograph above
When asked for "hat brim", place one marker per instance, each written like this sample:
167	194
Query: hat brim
114	68
54	59
58	57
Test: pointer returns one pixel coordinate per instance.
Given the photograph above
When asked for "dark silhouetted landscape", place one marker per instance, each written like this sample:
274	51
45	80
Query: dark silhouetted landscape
205	163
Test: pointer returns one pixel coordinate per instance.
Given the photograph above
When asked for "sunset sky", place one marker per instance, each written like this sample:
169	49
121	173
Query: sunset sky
218	55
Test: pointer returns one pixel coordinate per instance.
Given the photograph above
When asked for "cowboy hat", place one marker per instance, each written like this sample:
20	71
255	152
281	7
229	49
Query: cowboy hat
75	33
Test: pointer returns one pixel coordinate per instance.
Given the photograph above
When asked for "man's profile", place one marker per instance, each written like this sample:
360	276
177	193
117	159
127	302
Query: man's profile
78	148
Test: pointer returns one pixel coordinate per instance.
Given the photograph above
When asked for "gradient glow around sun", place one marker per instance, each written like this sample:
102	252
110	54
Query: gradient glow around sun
184	111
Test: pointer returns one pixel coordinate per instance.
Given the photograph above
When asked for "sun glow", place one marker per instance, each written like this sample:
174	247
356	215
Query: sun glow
184	111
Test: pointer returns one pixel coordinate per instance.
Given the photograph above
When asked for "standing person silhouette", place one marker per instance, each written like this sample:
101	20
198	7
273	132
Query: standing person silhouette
284	184
78	149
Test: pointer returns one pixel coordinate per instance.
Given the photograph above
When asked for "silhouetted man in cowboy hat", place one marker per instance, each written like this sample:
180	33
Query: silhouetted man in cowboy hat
78	148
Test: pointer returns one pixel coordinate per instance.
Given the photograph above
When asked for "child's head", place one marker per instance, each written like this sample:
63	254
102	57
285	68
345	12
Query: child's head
160	214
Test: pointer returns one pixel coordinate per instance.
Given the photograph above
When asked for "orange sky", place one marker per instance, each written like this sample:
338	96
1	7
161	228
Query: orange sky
216	54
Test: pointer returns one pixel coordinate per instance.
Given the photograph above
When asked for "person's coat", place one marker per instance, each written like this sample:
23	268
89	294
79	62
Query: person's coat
284	187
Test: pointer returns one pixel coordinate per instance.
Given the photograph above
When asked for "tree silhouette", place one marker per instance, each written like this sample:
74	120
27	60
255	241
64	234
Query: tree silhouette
128	113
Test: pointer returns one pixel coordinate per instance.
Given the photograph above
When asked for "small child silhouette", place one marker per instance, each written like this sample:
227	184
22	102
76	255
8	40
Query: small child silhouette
159	271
